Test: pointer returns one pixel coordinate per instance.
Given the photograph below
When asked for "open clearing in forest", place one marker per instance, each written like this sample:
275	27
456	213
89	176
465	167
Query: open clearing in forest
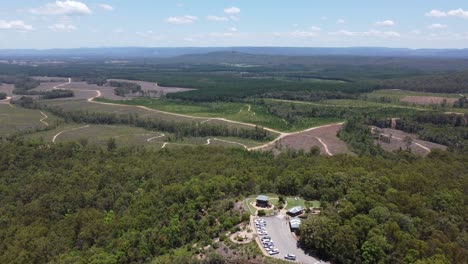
324	137
100	134
15	119
153	88
428	100
132	136
7	88
239	112
397	141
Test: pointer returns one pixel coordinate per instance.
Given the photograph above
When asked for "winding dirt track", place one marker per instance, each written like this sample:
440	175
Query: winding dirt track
208	142
44	118
281	134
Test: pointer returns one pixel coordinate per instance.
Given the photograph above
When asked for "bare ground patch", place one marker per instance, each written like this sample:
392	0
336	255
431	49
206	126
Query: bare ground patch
394	140
154	88
324	137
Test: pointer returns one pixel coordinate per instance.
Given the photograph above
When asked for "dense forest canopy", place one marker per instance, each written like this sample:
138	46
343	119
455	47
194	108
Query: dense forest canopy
73	203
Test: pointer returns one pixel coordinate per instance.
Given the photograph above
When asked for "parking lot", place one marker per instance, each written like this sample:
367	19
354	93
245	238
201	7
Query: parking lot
283	241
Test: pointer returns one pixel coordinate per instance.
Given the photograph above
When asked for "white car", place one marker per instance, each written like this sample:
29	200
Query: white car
290	256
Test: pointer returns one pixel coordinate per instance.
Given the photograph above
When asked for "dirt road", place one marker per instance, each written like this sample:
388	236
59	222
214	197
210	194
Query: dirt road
68	130
281	134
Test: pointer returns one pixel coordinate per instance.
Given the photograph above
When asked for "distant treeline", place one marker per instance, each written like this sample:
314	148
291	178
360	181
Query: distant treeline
440	83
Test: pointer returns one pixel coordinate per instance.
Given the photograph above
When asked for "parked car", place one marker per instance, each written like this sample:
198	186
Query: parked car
290	256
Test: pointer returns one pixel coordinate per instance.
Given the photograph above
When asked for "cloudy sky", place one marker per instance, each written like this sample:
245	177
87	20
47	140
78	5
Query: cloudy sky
45	24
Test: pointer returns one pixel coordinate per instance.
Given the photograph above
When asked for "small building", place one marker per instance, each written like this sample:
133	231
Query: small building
295	211
294	224
262	201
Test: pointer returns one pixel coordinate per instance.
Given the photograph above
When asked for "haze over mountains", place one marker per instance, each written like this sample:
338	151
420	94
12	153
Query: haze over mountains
139	52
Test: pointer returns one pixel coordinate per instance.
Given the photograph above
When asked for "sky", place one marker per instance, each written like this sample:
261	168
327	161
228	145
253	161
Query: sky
45	24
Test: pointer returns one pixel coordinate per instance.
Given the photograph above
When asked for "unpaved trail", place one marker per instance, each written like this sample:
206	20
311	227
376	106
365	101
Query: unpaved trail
6	99
127	135
60	85
44	118
324	146
153	138
68	130
231	142
413	143
282	135
423	147
208	141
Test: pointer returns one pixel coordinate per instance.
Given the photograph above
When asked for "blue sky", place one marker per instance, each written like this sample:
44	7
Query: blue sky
45	24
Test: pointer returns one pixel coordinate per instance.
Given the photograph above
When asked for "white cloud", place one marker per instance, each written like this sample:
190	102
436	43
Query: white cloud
68	7
181	20
106	7
297	34
217	18
340	21
385	23
437	26
62	28
232	10
233	29
15	25
315	29
370	33
451	13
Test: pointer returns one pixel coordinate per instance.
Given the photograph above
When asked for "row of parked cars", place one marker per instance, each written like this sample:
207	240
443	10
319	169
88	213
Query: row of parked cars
267	242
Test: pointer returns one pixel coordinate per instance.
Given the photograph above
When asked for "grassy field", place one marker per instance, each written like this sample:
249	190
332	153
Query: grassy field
15	119
398	94
132	136
241	112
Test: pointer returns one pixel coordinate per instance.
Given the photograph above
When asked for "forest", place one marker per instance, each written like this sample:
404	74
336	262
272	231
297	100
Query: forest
83	204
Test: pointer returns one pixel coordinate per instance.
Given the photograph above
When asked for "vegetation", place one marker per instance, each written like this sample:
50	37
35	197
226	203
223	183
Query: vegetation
133	204
179	129
443	83
124	88
253	112
57	93
3	96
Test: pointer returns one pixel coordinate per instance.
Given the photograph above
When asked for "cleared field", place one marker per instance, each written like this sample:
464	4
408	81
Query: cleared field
240	112
100	134
155	90
399	94
132	136
15	119
7	88
428	100
398	141
324	137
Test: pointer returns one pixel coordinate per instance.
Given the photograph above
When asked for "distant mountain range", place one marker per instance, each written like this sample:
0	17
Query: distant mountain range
136	52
